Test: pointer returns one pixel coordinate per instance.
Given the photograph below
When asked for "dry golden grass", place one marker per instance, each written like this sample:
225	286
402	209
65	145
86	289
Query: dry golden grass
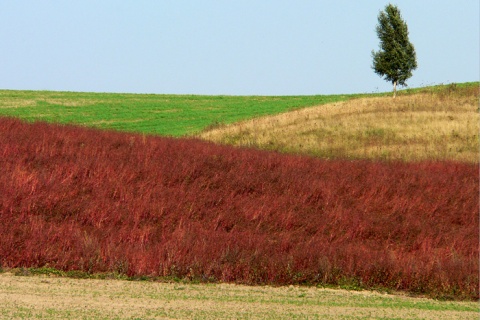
8	99
431	125
14	103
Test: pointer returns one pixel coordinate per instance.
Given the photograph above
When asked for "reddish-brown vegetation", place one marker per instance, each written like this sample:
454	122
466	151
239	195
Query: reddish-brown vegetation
76	198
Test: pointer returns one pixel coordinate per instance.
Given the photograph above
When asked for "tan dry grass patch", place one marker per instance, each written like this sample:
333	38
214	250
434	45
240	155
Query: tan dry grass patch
16	103
414	127
115	121
79	102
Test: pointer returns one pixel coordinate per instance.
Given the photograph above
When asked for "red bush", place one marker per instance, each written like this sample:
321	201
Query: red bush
77	198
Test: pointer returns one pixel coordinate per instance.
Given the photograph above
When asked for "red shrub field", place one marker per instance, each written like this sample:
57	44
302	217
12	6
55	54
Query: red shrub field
74	198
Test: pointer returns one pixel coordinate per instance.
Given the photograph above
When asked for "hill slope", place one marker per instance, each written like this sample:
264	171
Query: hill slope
439	123
169	115
83	199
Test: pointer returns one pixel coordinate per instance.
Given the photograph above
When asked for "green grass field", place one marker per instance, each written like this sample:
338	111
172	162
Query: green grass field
170	115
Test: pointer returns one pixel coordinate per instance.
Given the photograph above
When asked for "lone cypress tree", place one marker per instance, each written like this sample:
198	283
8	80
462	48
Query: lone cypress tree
396	58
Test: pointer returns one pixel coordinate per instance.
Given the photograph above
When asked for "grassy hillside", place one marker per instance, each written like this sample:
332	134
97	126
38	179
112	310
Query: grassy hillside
172	115
437	123
98	201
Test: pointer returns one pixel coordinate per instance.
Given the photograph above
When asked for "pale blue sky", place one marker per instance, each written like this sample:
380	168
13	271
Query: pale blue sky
247	47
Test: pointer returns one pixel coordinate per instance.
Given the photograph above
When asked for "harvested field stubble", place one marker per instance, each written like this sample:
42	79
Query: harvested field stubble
49	297
80	199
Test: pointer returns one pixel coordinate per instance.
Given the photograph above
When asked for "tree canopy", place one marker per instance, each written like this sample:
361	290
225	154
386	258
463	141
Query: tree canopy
396	58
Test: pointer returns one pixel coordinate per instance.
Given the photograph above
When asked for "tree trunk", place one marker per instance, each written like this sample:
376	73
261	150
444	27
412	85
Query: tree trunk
394	89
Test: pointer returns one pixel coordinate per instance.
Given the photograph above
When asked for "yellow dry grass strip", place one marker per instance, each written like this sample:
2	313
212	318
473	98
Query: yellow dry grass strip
16	103
409	128
64	298
29	102
79	102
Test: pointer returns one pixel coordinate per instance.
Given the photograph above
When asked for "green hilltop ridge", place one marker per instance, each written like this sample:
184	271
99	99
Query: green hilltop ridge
159	114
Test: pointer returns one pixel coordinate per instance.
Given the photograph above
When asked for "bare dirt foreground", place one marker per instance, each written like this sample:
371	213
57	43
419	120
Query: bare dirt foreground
48	297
